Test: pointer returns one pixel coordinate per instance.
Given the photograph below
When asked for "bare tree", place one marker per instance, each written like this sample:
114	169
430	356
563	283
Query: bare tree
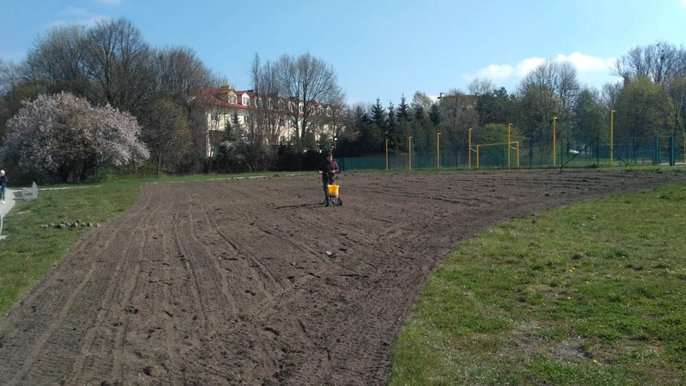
550	90
332	124
9	76
57	61
560	78
458	116
643	110
660	63
421	100
677	91
179	74
118	62
111	64
481	86
589	118
306	82
252	144
537	106
609	94
108	64
168	136
268	118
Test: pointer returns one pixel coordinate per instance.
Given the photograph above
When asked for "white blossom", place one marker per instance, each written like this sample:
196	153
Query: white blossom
55	134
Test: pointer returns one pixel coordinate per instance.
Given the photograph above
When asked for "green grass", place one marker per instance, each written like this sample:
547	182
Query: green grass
590	294
30	251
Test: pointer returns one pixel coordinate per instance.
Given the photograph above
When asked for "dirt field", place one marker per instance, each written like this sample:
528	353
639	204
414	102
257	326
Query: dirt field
256	282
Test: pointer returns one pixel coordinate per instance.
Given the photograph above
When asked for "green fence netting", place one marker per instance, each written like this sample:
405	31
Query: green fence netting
661	150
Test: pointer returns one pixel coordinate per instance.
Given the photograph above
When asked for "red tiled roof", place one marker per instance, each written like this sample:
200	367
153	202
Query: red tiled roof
218	97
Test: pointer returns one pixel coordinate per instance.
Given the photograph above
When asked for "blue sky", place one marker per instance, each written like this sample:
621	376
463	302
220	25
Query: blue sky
378	48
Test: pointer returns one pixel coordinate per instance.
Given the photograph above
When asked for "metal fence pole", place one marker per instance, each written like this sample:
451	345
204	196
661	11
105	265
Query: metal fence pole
386	153
409	151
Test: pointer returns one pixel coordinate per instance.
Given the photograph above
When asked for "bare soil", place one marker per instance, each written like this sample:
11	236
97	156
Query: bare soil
256	282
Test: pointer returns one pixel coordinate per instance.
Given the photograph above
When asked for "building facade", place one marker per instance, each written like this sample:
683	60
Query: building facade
244	110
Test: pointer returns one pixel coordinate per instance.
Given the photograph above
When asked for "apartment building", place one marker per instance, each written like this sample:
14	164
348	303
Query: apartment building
226	105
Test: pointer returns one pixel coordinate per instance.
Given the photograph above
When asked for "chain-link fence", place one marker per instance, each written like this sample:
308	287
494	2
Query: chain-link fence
659	150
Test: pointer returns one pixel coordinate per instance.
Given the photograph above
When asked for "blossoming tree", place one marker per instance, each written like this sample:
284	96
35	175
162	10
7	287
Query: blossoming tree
62	137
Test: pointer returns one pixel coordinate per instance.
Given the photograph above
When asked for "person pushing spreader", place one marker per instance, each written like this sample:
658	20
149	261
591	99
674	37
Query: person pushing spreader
328	170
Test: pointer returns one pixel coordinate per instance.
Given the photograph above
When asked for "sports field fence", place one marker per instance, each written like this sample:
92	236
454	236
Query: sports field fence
655	150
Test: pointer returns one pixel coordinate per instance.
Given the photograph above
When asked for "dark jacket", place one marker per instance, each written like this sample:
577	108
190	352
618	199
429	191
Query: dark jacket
3	181
328	169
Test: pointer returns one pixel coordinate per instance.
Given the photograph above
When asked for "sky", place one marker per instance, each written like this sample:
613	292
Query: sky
378	48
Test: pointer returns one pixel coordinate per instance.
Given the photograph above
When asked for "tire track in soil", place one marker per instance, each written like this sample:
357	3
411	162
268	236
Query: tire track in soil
245	247
69	294
271	233
155	333
97	351
204	255
227	282
206	238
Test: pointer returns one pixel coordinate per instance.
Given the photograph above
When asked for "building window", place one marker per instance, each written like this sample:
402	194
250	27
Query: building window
232	99
246	100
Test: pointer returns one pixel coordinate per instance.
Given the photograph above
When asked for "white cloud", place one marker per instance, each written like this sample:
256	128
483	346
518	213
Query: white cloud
587	66
527	65
506	71
73	15
495	71
584	63
683	2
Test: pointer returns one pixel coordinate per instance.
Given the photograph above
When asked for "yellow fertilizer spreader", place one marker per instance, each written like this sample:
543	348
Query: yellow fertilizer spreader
332	195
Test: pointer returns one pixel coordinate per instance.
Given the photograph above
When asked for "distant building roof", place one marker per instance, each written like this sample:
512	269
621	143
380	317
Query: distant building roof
219	96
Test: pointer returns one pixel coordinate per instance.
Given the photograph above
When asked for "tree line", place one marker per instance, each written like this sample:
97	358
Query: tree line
111	65
111	70
650	100
144	101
